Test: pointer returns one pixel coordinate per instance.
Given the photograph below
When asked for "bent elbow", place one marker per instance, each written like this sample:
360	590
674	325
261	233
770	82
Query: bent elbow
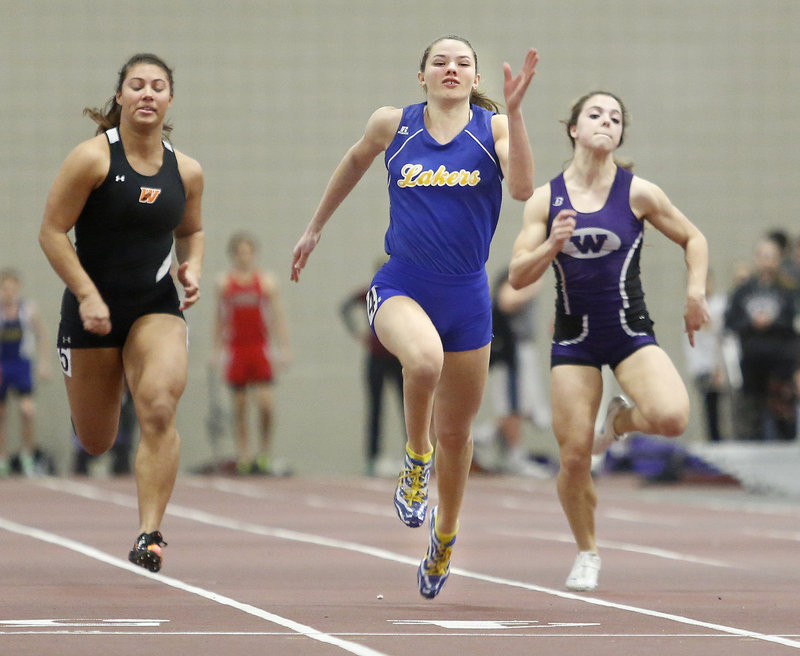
522	192
514	279
43	240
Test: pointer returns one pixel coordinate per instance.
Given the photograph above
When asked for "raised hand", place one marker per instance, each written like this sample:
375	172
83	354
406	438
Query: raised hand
514	88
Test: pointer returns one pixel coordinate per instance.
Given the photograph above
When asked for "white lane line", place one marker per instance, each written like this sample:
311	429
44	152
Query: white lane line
619	546
372	509
640	518
91	552
251	491
396	634
82	489
793	536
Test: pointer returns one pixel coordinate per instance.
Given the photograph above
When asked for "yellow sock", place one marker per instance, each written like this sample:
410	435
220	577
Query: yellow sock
444	537
416	456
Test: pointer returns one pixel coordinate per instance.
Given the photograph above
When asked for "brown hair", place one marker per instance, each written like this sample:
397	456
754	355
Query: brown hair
577	108
108	116
9	274
475	97
239	237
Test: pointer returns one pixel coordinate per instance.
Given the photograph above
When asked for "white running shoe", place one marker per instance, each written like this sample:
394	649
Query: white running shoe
584	573
606	436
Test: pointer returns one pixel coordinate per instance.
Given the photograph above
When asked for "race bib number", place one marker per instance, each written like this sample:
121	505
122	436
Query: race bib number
65	358
372	303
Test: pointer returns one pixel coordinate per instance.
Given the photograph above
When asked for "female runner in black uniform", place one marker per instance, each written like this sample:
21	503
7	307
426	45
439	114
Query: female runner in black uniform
127	192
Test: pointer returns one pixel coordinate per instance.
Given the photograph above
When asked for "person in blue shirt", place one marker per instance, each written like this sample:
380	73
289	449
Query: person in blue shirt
22	357
430	304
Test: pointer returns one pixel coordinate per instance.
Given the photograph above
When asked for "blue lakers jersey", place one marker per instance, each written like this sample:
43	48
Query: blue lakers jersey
444	199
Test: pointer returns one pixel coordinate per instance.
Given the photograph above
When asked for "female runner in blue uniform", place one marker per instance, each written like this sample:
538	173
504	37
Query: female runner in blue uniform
588	224
128	192
430	305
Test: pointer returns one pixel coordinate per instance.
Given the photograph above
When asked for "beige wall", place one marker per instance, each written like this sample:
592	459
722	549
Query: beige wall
270	94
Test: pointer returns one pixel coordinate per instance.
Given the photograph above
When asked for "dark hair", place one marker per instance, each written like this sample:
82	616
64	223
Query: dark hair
109	116
577	108
239	237
9	274
779	236
475	97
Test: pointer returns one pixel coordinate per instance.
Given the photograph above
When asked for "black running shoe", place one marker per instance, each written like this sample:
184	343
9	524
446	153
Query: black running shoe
146	551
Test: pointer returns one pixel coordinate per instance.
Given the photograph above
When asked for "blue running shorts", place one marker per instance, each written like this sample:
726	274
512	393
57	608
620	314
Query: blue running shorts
459	305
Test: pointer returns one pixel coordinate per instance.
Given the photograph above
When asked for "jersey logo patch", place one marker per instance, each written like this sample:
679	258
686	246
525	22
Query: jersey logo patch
587	243
148	195
403	129
558	202
415	176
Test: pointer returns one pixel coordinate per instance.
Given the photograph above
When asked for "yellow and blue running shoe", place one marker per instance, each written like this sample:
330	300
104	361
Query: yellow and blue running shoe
435	567
411	494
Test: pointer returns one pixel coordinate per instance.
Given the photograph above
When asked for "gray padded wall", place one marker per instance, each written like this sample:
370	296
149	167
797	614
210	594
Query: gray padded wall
269	95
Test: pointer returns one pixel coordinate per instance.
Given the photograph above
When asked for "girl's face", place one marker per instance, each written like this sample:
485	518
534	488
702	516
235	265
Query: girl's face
9	290
449	71
244	256
599	125
145	95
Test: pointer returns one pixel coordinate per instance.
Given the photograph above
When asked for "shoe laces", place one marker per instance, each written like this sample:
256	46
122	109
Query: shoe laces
146	539
413	481
438	562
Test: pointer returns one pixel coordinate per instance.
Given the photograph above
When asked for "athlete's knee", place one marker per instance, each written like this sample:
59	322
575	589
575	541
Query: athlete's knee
423	367
95	441
673	424
669	421
576	461
453	438
156	411
27	408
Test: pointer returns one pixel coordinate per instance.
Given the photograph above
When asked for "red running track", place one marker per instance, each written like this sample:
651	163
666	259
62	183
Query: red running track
316	567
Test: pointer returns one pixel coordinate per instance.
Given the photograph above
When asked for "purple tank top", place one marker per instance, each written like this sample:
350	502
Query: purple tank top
597	270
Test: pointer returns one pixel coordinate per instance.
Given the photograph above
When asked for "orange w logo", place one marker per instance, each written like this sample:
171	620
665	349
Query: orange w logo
148	195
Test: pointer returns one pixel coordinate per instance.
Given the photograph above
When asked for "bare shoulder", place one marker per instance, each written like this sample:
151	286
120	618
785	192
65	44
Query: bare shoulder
190	169
89	160
387	115
382	125
646	197
268	281
499	125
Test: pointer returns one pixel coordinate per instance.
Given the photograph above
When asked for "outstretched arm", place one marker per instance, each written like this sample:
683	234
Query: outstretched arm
511	137
378	134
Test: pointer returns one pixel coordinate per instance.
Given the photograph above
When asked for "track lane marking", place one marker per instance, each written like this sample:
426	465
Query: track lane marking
96	493
91	552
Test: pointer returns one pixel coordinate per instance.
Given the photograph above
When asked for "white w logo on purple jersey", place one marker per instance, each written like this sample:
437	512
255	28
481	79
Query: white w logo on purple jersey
587	243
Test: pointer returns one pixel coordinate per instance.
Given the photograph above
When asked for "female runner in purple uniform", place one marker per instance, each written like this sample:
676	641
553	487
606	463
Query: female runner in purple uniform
430	305
588	224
